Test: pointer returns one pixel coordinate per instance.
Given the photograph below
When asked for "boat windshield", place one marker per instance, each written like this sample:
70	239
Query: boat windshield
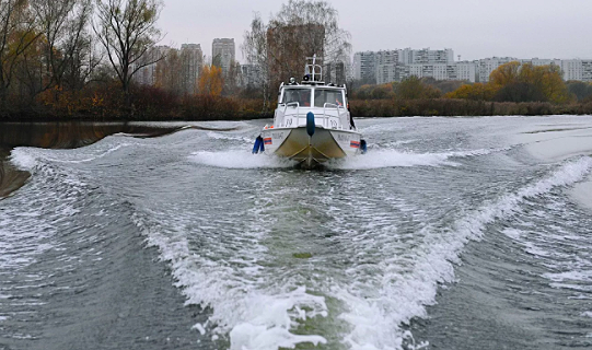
302	96
333	97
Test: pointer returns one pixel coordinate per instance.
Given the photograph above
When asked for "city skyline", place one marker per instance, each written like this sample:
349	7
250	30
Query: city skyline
524	29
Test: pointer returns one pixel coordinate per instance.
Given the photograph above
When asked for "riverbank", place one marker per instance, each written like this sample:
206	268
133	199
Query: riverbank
447	107
208	108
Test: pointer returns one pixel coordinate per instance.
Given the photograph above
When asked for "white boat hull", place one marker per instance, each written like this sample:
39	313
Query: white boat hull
310	151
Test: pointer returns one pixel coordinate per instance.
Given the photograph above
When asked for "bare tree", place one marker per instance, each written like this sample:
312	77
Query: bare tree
127	30
82	64
17	34
169	72
255	51
232	79
300	29
63	24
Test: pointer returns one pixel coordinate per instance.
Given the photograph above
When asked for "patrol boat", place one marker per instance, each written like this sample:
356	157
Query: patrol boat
312	123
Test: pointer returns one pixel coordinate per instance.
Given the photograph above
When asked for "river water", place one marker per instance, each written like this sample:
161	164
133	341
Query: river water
450	233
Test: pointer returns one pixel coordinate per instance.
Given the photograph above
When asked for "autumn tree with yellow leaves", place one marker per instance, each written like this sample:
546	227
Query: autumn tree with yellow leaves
210	81
516	82
475	92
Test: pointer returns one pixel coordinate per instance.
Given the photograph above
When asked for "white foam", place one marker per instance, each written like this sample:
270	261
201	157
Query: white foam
27	158
239	160
270	321
587	314
221	136
376	321
393	158
23	159
200	328
579	275
252	317
257	314
85	158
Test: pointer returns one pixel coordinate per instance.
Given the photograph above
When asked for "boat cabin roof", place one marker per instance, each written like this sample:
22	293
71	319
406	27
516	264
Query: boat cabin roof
312	85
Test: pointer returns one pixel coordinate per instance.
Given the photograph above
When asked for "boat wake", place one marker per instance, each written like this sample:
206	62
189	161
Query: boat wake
26	158
374	307
394	158
303	263
239	160
372	160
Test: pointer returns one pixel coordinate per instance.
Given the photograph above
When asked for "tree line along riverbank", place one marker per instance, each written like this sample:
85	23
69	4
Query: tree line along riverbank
414	97
513	89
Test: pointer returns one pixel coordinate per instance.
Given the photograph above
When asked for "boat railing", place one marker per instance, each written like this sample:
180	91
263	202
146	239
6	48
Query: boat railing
328	120
281	119
339	108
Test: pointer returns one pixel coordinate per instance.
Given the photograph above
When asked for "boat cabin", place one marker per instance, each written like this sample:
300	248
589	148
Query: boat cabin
317	96
328	102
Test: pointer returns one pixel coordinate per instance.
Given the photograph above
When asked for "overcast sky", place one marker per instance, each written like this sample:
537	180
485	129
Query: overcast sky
473	29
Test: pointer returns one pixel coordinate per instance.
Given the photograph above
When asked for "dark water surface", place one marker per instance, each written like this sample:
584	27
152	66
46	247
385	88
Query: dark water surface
448	234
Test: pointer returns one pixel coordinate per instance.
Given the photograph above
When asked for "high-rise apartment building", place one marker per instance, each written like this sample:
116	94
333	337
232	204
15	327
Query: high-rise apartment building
223	53
463	71
587	70
364	66
183	74
395	65
427	56
252	75
488	65
191	63
572	69
147	74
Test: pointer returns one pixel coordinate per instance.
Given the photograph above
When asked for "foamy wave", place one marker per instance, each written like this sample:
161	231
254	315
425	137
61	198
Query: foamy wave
375	321
392	158
239	160
578	275
23	159
27	158
253	319
270	320
220	136
85	158
255	315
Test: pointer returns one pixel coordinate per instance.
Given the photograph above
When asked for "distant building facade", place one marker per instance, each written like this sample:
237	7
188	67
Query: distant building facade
188	69
487	65
191	64
385	66
147	74
223	53
252	75
395	65
587	70
364	65
335	72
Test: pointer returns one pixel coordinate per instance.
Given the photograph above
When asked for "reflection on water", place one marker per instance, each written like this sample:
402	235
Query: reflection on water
59	135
